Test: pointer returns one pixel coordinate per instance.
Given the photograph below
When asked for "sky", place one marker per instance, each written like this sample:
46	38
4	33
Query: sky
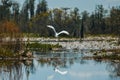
82	5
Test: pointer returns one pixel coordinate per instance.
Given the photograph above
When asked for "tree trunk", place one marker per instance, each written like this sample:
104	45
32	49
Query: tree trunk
119	39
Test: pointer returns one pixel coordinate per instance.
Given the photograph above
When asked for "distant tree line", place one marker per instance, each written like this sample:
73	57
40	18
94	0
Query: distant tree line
31	20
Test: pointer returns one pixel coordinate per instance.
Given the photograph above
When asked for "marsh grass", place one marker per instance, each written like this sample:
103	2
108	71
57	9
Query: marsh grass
4	53
42	47
10	49
113	54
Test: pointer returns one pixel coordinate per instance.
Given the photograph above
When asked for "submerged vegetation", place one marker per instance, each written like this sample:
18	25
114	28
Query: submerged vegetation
112	57
113	54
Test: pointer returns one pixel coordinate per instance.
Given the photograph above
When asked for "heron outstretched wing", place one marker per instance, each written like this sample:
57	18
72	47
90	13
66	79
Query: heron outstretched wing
52	28
63	32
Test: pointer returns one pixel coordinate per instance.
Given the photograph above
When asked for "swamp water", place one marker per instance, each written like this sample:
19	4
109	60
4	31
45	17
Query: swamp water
63	65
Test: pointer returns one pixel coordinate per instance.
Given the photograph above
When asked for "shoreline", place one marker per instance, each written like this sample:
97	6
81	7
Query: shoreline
106	45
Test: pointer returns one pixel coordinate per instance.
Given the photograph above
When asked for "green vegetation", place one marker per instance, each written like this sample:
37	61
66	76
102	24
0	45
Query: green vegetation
105	57
100	21
16	23
107	54
11	49
42	47
5	53
4	63
31	35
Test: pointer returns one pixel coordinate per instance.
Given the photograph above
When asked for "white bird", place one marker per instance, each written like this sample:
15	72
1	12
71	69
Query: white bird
56	33
61	72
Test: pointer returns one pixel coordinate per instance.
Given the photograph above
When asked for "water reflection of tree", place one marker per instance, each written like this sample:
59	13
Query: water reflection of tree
29	68
15	70
114	69
10	70
63	60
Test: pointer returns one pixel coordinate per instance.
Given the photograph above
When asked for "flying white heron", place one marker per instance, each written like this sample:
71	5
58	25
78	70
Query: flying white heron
56	33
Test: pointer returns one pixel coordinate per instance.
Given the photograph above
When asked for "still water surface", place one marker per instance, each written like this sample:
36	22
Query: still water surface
59	66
